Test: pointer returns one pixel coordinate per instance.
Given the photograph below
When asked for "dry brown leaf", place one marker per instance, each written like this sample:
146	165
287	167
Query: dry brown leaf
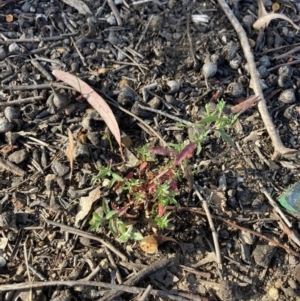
243	106
264	18
95	100
217	198
86	204
70	151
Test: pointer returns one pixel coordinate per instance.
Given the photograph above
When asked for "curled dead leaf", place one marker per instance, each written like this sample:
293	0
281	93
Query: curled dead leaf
264	18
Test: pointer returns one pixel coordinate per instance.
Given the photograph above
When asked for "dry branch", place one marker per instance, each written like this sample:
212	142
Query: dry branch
279	148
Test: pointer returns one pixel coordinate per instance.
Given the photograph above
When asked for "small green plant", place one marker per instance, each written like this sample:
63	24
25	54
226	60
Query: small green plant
165	195
162	222
106	172
213	120
146	156
152	187
116	225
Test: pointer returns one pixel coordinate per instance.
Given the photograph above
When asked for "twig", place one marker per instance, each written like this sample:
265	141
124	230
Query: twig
146	293
284	64
117	105
196	63
87	235
143	34
79	52
212	227
20	102
113	264
167	115
71	283
128	64
236	226
115	11
36	87
279	148
11	167
161	264
38	40
275	206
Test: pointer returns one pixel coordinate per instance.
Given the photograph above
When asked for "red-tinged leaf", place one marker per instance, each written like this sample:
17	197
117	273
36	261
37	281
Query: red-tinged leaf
173	185
244	106
122	211
130	175
143	166
95	100
187	152
152	187
162	151
161	210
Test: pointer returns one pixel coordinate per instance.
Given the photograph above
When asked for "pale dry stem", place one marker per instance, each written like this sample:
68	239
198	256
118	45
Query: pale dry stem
279	148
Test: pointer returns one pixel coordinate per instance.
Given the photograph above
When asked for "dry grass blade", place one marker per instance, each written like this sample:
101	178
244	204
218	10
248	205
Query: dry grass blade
264	18
69	152
95	100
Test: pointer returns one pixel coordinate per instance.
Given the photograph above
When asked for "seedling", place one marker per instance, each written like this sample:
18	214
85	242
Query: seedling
106	172
115	224
162	222
151	189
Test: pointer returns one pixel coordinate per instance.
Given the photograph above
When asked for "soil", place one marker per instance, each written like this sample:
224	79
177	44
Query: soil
152	62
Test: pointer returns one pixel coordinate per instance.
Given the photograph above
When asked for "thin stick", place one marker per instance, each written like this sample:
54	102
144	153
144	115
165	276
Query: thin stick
236	226
146	293
153	268
36	87
143	34
212	227
167	115
20	102
113	264
115	11
87	235
279	148
117	105
71	283
38	40
79	52
275	206
188	33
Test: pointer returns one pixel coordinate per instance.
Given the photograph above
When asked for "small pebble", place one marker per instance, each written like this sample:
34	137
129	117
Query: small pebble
273	293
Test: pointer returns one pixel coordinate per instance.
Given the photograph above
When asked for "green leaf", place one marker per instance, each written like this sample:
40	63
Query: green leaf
122	227
129	230
112	227
111	213
227	138
105	207
209	119
137	236
123	238
117	177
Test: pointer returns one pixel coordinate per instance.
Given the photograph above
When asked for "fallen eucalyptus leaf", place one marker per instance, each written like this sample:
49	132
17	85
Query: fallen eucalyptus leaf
95	100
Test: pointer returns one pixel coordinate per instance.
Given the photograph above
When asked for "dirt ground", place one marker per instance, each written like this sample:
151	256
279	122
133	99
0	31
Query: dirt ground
158	65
